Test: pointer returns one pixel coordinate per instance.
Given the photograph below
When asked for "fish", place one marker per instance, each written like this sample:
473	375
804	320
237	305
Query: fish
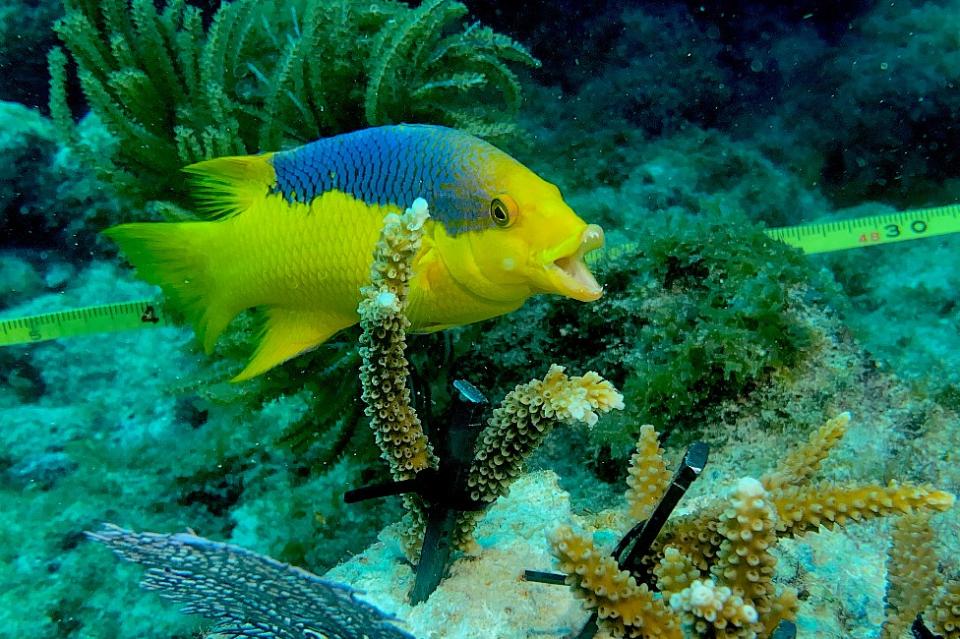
293	232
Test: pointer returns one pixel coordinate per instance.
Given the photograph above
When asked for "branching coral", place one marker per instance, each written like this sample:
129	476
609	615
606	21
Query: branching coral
915	586
945	616
383	342
715	568
703	605
520	424
627	609
266	73
648	475
383	373
526	416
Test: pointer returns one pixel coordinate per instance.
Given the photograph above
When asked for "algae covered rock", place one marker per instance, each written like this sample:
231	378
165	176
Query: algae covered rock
47	199
695	311
19	280
25	35
27	141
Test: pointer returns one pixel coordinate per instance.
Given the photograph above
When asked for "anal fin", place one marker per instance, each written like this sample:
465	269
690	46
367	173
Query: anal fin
288	333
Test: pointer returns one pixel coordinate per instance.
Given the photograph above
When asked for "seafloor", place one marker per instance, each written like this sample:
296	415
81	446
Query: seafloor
687	126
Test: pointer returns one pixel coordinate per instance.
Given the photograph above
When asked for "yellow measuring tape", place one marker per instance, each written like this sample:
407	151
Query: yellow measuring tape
83	321
810	238
870	231
828	237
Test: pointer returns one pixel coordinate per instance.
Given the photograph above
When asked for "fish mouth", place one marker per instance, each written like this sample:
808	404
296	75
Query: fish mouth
568	273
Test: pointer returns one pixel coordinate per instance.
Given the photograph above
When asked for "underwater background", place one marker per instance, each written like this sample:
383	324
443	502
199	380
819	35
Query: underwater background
683	128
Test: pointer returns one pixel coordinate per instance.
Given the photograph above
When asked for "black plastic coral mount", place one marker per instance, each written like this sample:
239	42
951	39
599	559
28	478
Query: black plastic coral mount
444	490
636	544
919	630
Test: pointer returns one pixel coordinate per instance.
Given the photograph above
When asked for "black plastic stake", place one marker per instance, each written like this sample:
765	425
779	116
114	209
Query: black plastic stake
447	498
636	544
919	630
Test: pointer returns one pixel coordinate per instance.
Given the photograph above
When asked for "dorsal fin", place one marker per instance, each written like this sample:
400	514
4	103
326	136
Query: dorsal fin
225	186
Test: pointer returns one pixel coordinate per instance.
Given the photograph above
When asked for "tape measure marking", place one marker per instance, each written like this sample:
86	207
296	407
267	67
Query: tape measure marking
810	238
83	321
870	231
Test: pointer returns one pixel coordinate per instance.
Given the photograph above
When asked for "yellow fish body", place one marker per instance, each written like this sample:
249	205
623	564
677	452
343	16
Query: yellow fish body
294	234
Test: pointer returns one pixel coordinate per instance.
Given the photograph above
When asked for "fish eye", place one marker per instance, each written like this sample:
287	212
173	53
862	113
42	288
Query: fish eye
501	211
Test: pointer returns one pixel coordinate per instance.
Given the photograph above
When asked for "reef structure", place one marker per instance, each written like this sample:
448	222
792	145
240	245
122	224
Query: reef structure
711	572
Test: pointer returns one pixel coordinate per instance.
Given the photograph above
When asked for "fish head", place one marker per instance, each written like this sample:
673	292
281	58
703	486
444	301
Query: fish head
523	238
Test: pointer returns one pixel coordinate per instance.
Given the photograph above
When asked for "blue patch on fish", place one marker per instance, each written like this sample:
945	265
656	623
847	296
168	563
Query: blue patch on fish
394	166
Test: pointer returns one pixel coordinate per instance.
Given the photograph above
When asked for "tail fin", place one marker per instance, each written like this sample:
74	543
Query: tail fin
175	258
228	185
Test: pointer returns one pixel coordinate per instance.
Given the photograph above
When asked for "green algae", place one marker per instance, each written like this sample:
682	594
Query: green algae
696	311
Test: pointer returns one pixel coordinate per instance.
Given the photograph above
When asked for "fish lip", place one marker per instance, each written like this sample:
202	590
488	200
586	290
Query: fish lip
569	273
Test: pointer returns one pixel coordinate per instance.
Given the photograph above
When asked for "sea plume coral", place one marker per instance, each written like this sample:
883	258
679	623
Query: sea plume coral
246	594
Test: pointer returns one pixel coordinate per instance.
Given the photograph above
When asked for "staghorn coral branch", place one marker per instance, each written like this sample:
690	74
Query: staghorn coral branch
919	597
675	571
804	509
803	462
383	372
704	606
912	575
623	607
526	416
944	613
744	561
520	424
649	476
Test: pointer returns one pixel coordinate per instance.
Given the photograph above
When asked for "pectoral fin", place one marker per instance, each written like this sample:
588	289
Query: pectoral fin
288	333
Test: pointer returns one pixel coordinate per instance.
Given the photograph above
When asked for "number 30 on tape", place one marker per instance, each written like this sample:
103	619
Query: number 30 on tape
870	231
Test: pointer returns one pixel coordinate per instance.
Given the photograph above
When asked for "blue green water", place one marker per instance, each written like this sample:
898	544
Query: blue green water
683	129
